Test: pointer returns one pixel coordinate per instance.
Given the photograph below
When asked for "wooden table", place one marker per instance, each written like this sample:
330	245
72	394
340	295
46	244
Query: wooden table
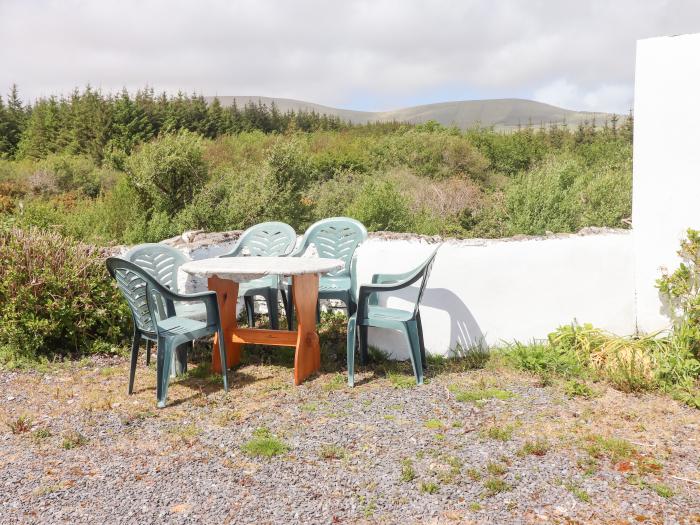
225	273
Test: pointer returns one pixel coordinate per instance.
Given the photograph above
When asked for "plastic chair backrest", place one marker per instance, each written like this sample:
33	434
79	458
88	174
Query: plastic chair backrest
427	267
335	238
268	239
159	260
133	282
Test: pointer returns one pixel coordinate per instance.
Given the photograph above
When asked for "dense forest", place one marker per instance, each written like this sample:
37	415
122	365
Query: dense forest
126	168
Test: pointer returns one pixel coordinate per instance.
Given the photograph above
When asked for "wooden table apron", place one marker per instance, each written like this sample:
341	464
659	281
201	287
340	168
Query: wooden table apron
307	357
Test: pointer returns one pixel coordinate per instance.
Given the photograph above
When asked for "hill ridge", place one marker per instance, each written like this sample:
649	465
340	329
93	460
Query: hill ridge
501	113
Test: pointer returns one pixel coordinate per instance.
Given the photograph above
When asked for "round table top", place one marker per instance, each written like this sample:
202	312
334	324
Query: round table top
242	269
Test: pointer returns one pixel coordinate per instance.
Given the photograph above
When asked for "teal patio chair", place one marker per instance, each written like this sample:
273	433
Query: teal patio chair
142	291
162	262
334	238
369	313
268	239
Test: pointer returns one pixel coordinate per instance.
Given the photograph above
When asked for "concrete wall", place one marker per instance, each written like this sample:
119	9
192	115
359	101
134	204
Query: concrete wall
496	291
666	195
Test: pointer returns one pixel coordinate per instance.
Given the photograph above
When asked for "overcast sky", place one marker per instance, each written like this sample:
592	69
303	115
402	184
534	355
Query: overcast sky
368	55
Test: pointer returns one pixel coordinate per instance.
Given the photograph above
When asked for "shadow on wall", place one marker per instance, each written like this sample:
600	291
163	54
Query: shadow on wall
464	332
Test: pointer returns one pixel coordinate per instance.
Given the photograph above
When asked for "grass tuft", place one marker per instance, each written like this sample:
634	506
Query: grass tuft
264	444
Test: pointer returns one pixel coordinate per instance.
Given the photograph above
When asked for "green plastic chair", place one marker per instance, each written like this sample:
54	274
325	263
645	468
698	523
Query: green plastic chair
162	262
268	239
334	238
369	313
151	323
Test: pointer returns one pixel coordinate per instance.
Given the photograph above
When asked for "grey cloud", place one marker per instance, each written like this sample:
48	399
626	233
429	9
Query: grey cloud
344	53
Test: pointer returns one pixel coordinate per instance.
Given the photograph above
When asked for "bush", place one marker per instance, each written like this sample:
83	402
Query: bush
56	297
380	207
565	195
168	172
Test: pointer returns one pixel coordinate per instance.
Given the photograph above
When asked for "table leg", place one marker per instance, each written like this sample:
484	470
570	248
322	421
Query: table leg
307	358
227	297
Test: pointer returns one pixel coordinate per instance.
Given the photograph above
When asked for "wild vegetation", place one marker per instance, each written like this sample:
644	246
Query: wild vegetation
119	168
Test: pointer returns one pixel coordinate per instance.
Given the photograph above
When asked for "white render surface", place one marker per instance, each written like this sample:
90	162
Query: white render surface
493	292
666	195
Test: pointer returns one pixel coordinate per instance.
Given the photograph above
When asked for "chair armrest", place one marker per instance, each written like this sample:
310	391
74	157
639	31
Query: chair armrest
382	278
208	298
235	251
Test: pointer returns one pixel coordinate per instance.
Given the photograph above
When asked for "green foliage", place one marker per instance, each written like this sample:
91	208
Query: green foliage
381	207
55	297
264	444
168	172
681	292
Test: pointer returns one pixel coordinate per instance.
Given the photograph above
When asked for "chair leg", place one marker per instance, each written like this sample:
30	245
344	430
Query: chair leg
318	311
273	308
351	351
414	343
250	310
134	358
222	355
285	304
163	360
364	356
149	347
290	307
419	324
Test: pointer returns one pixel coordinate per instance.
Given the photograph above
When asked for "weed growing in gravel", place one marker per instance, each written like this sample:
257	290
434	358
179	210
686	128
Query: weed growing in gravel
615	448
336	382
408	473
499	433
429	487
73	439
389	417
479	394
434	424
575	388
662	490
496	469
41	433
264	444
187	433
475	507
578	492
474	474
309	407
399	380
331	451
494	486
368	505
539	447
451	472
20	425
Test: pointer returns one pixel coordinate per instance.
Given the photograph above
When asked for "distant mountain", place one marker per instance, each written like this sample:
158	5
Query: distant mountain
506	113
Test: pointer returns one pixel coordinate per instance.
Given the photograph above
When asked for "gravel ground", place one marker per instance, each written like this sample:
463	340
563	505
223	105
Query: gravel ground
383	452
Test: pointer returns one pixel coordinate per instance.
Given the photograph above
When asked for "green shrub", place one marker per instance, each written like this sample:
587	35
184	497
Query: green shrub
55	297
380	207
168	172
565	195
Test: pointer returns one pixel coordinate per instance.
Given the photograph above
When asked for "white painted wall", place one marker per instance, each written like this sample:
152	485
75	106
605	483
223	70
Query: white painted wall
666	195
499	291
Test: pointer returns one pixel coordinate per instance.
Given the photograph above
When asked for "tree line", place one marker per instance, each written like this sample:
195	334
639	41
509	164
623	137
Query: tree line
90	122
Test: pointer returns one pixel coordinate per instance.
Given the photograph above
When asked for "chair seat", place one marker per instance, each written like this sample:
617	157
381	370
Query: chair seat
173	326
382	313
269	281
193	310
